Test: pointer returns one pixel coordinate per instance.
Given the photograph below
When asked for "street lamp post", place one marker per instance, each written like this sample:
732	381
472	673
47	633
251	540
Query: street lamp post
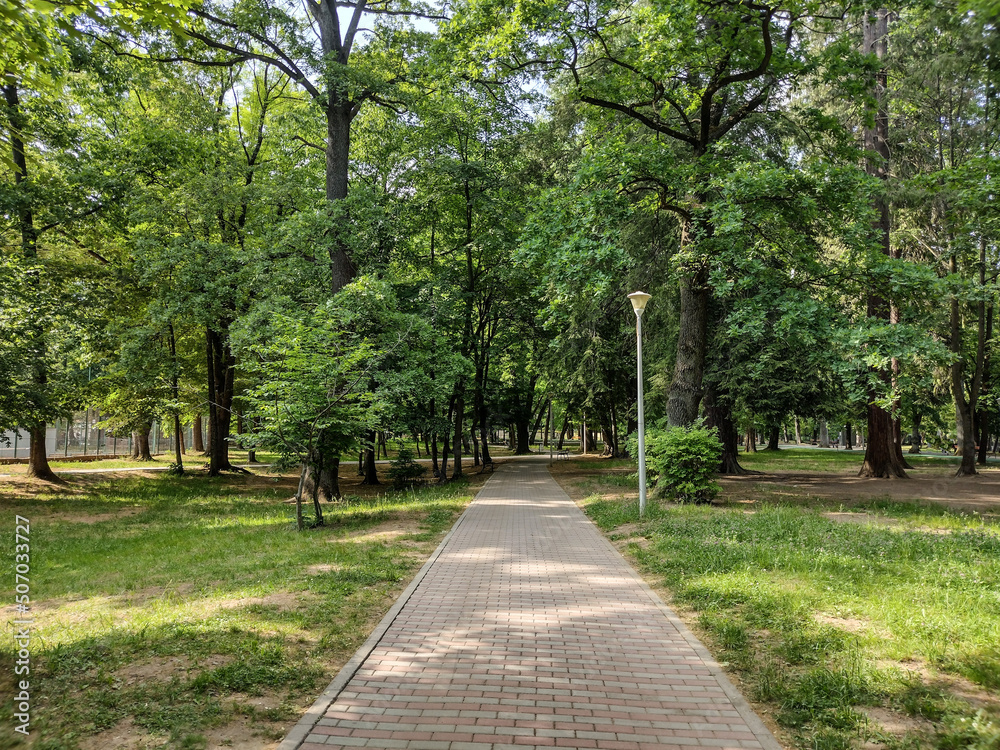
639	300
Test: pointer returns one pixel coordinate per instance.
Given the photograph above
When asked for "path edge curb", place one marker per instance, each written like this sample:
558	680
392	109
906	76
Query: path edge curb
764	735
304	726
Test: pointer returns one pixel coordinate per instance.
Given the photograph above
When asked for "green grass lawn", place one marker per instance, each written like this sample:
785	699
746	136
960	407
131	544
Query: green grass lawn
837	629
161	603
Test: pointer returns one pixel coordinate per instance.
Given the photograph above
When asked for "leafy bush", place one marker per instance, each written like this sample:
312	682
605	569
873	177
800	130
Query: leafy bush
683	461
403	470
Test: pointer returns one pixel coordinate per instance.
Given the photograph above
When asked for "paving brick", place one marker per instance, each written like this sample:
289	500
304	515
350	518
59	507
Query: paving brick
530	630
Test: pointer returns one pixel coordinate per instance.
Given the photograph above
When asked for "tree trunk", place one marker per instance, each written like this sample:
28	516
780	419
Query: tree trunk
221	373
686	386
197	442
882	455
537	424
38	460
484	427
562	433
456	472
436	470
325	466
824	434
772	438
915	439
719	416
178	467
140	443
445	449
849	436
798	432
965	435
751	441
338	148
522	425
371	469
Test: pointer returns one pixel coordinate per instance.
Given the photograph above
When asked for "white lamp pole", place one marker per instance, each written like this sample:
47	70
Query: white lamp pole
639	300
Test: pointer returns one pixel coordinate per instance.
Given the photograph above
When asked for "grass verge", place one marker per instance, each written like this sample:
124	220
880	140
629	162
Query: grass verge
174	610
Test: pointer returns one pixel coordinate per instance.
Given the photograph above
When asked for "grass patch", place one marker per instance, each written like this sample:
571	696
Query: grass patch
825	622
178	597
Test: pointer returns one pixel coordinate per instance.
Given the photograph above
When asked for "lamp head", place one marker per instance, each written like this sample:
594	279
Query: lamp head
639	300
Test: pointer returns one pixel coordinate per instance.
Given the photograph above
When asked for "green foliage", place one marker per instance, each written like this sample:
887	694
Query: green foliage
312	382
683	461
403	470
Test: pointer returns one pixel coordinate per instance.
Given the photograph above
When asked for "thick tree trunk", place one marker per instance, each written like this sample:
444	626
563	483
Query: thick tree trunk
849	436
686	387
880	453
38	461
327	468
338	147
883	457
522	425
772	438
798	432
197	441
824	434
140	443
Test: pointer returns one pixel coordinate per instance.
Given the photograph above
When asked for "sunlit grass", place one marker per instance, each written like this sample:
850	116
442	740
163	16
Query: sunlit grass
210	572
823	619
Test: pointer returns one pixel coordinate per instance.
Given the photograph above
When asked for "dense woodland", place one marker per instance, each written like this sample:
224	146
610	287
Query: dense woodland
305	226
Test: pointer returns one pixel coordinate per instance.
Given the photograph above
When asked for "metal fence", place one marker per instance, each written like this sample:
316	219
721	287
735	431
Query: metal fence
80	436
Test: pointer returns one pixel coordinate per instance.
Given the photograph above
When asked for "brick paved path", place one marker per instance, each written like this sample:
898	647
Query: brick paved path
528	629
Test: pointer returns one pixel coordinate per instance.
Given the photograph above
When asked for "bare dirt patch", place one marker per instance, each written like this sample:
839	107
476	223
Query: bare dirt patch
242	734
315	570
385	532
164	668
280	599
896	723
850	624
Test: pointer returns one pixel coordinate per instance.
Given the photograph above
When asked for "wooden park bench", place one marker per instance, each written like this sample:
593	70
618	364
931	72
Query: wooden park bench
562	454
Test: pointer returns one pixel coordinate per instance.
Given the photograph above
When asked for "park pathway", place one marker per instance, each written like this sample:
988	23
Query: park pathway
526	628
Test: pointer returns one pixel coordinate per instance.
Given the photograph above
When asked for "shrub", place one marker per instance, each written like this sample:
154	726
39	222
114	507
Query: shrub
683	461
403	470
